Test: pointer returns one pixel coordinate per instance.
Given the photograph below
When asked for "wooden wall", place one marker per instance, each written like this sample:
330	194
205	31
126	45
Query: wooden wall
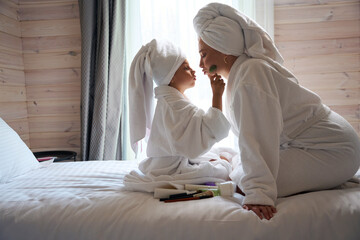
13	104
320	42
41	55
51	43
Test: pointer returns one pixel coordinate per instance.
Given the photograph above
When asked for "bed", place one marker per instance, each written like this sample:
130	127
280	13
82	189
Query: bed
87	200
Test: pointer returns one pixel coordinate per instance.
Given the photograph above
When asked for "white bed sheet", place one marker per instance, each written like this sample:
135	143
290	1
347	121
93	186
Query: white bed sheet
86	200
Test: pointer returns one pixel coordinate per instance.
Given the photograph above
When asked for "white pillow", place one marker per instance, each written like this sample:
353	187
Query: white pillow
15	157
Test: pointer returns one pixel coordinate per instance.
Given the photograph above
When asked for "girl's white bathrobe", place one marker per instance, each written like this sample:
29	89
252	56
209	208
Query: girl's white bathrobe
289	141
180	136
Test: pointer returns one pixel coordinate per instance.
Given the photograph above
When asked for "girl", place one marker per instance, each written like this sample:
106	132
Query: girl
179	131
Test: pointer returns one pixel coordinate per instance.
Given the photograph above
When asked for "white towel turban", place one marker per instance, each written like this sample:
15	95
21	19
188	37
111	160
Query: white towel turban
158	60
230	32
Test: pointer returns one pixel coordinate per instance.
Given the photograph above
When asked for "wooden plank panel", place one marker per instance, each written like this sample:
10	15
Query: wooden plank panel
339	97
50	28
318	13
11	60
20	126
294	49
51	44
53	108
77	150
314	31
13	110
330	80
9	9
52	76
26	139
308	2
49	11
319	40
61	123
44	1
69	59
12	94
54	92
14	1
350	112
11	77
10	26
324	64
10	43
356	126
55	140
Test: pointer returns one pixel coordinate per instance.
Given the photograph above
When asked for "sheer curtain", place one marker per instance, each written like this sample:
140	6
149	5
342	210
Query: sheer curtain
172	20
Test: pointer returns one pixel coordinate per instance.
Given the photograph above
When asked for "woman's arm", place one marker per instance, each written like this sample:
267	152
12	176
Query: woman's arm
258	116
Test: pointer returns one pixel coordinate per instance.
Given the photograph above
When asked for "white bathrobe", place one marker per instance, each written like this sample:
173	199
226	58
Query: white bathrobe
289	141
180	135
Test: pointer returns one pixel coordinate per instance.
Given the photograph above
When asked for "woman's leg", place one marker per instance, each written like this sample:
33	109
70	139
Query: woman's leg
324	156
310	170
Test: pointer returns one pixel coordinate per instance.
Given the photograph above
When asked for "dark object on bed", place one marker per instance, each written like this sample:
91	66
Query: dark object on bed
59	155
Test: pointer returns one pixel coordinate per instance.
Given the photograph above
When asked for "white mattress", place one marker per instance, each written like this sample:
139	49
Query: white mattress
85	200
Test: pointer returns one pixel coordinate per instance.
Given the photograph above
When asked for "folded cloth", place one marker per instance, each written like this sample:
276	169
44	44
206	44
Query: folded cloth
164	172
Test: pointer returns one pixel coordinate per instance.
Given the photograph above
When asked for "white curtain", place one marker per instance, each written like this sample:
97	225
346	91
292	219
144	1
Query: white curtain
172	20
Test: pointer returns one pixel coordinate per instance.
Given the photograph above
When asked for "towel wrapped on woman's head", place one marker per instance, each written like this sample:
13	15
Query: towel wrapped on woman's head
230	32
156	61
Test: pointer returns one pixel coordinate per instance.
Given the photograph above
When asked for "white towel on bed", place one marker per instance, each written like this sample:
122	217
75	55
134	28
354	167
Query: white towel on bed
176	171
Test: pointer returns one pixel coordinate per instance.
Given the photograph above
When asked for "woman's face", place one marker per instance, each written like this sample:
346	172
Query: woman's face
184	77
209	57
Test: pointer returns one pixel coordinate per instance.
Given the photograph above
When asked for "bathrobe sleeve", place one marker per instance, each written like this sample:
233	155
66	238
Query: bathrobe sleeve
257	113
190	131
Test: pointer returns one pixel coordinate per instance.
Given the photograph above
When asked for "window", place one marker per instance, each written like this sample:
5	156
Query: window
173	20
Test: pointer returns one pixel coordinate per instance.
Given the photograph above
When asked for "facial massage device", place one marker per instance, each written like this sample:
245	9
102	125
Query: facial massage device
212	68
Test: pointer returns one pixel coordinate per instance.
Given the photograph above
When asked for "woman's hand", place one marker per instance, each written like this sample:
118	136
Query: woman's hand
218	86
261	210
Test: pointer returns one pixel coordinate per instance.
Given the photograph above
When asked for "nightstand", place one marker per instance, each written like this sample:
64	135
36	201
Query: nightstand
58	155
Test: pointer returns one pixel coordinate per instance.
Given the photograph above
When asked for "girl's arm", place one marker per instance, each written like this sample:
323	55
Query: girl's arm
218	86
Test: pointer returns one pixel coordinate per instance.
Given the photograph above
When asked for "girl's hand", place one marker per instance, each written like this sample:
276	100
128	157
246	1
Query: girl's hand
217	85
261	210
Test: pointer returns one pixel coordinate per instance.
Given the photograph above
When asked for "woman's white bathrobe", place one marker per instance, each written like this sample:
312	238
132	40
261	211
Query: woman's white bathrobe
180	135
289	141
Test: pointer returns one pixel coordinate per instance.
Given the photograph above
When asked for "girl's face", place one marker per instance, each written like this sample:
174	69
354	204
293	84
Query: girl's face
209	57
184	77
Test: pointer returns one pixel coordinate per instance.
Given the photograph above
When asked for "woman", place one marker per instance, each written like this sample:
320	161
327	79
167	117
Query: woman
179	131
289	141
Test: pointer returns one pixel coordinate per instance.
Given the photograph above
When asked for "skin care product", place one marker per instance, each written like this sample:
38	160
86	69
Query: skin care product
206	194
225	189
165	193
212	68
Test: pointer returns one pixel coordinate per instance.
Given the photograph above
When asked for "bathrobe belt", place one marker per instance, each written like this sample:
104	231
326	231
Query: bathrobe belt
324	112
